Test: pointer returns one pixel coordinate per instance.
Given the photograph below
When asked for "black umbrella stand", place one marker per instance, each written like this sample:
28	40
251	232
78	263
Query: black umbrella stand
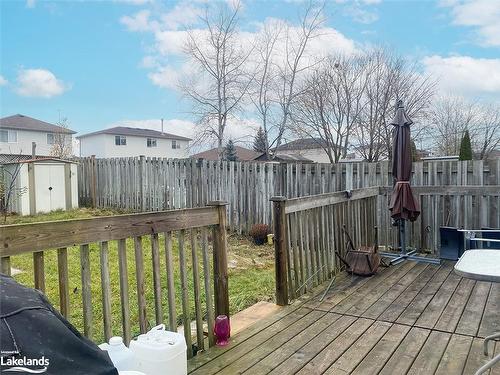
404	254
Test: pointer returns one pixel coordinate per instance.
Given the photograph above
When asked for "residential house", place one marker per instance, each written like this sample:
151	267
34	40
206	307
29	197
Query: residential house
18	132
312	149
242	153
123	141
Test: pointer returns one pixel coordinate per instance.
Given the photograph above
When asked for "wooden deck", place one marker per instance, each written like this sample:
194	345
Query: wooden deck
408	319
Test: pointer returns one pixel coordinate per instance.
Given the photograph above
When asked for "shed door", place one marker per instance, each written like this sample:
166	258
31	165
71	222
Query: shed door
49	187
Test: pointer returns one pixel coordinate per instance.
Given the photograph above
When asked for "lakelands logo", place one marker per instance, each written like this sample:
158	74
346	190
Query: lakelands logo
24	364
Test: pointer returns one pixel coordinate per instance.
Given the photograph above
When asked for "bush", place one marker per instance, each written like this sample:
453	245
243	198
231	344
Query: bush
259	233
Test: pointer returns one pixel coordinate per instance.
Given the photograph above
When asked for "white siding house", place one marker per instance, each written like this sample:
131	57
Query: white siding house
129	142
18	132
307	148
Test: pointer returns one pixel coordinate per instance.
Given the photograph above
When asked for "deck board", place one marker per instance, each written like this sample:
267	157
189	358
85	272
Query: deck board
473	313
407	319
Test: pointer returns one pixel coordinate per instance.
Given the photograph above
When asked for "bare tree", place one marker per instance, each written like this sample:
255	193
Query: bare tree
217	88
450	116
389	78
329	105
279	71
62	147
262	93
488	131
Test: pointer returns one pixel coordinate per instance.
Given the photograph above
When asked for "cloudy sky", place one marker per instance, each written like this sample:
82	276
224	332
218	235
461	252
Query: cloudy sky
102	63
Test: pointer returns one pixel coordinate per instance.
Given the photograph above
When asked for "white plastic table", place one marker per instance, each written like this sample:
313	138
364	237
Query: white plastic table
483	265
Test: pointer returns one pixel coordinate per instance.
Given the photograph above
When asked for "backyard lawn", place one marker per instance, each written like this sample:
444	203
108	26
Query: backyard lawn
251	275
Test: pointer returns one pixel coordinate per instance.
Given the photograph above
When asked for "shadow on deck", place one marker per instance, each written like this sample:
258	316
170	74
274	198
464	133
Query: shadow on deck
412	318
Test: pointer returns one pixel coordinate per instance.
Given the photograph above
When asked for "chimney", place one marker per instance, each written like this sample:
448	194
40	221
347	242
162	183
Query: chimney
33	150
161	126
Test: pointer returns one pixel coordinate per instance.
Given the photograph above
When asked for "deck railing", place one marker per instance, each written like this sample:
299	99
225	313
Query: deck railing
308	231
188	227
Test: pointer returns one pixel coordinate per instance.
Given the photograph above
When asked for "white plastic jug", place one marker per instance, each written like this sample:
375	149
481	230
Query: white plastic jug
121	356
160	352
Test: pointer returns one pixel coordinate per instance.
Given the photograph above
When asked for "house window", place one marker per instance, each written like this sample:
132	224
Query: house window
151	142
176	144
120	140
8	136
50	139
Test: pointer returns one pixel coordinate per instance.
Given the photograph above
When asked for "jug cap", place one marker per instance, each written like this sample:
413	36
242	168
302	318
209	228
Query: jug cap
115	341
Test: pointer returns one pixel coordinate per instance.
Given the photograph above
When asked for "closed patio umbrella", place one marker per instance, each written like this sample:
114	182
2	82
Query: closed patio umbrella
403	205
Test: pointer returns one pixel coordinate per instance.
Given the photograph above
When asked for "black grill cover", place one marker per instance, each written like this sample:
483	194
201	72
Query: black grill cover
31	328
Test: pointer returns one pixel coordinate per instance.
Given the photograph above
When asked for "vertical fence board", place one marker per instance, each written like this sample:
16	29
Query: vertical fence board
124	293
106	290
169	264
86	291
63	277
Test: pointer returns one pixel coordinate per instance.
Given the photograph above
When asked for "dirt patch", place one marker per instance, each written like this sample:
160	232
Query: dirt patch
244	254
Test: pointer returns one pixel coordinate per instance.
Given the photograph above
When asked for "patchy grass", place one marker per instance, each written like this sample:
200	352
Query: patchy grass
251	275
78	213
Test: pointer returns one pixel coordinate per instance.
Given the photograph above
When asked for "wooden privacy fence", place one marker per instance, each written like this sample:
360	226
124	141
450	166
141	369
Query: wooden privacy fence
470	207
152	184
308	231
188	227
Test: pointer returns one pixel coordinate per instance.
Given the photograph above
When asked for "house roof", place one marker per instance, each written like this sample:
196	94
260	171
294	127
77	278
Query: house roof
242	153
40	159
137	132
21	122
10	158
285	158
302	144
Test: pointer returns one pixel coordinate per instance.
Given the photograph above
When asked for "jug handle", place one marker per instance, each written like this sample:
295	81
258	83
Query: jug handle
160	327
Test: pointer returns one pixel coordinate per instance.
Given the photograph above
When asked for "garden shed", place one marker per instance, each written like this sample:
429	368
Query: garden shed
40	185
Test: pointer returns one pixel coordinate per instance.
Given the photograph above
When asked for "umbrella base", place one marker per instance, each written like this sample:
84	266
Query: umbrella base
401	257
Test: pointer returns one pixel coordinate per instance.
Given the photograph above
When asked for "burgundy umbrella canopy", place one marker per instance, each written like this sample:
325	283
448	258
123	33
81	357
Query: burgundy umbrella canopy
403	204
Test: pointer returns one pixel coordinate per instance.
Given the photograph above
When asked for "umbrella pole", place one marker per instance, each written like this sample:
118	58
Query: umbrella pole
403	254
402	237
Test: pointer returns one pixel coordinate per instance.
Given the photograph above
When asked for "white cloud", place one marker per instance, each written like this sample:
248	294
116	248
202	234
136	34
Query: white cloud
465	75
183	14
169	43
149	62
361	15
484	15
139	21
3	81
134	2
166	77
30	3
39	83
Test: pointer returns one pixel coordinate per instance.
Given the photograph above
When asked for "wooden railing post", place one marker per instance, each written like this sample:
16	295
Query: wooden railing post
5	265
221	292
279	220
